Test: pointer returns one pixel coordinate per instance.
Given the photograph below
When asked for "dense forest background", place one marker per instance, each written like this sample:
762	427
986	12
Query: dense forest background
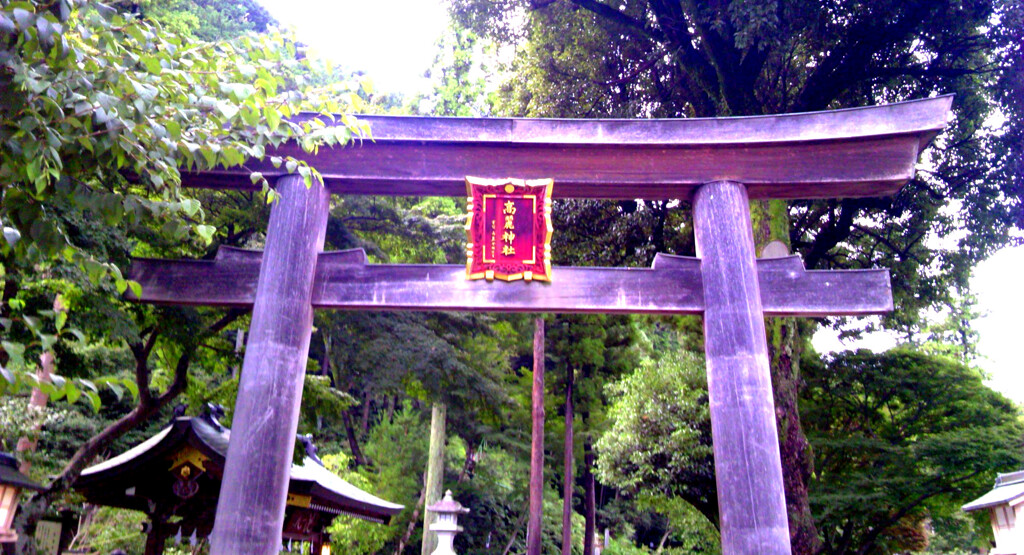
101	104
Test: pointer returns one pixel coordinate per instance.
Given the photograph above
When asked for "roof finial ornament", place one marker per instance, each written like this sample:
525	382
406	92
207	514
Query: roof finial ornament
178	411
311	448
213	413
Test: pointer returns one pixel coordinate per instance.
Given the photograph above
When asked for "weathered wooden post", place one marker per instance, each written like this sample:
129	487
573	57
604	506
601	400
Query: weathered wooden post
533	543
435	473
250	513
748	470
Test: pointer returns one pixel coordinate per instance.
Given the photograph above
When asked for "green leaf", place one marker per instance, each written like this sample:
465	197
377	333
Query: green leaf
144	91
190	206
77	334
33	169
94	400
117	389
152	64
250	116
7	26
134	32
33	323
72	392
229	109
209	155
273	118
132	387
206	232
173	128
136	288
24	17
47	341
94	270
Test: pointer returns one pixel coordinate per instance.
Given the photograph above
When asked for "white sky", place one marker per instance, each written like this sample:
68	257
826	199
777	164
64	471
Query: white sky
995	282
392	41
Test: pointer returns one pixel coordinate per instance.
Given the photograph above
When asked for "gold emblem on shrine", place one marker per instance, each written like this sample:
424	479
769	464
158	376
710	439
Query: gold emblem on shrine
297	500
189	455
508	229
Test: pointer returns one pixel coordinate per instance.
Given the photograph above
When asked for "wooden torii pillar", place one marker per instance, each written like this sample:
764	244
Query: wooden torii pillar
719	164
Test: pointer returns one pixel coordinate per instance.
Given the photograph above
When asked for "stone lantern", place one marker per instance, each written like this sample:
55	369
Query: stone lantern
447	523
11	484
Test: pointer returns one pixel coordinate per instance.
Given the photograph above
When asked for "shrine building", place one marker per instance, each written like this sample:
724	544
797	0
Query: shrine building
1005	504
175	477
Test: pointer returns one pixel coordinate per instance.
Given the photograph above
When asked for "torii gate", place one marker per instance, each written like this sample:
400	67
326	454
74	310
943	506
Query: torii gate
719	164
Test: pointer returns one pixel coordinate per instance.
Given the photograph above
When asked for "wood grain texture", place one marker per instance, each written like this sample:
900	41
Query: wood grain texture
533	526
250	513
748	470
843	153
672	285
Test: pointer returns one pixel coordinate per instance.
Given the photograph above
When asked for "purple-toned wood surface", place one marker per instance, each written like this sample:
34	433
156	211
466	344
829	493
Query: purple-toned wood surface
533	525
748	470
672	285
250	513
843	153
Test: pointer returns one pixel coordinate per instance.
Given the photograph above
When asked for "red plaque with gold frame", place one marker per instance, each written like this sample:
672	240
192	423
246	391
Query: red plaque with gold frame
508	229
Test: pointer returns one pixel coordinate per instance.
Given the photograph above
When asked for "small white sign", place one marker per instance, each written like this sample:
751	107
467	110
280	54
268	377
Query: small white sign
48	537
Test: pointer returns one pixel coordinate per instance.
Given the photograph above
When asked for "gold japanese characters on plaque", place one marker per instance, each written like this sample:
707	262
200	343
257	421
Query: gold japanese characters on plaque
508	229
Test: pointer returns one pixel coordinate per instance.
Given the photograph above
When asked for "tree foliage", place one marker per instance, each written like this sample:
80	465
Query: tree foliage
205	20
99	113
900	437
659	440
592	58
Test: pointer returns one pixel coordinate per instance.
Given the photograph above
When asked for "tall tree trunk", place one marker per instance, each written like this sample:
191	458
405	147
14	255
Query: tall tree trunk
325	370
364	425
155	539
664	537
435	474
239	345
770	221
567	484
515	532
404	540
353	441
469	464
589	499
533	530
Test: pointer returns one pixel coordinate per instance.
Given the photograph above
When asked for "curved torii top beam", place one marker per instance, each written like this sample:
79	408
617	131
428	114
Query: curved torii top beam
867	151
718	163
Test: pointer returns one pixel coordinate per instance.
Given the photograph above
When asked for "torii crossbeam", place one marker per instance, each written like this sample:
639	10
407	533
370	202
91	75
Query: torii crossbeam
719	164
